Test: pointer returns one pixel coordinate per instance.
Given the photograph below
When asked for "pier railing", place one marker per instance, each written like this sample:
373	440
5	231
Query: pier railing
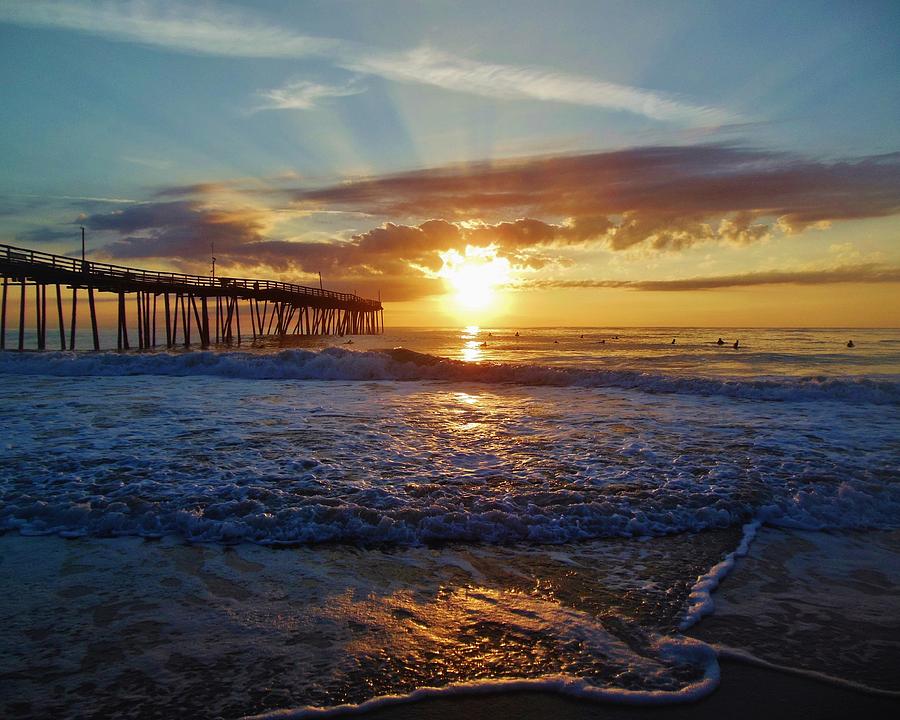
15	255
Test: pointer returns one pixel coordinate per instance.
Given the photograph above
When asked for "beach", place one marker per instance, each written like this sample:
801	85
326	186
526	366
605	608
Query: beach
519	526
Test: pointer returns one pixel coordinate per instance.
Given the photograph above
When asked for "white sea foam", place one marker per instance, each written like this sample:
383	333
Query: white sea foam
339	364
671	649
700	602
404	463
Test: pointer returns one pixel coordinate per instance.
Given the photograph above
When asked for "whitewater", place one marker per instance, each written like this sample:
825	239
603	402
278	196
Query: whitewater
451	510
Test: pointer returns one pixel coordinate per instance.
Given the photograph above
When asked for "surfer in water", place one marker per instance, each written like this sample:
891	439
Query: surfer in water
851	344
736	344
720	341
673	341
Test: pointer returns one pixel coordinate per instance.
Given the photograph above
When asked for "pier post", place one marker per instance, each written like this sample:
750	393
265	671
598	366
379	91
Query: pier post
22	317
3	314
74	317
146	319
94	333
185	322
155	295
168	320
59	315
123	326
205	315
237	317
140	319
39	307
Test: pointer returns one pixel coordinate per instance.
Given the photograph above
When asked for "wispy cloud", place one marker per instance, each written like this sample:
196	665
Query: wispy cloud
431	67
200	29
228	32
302	95
864	273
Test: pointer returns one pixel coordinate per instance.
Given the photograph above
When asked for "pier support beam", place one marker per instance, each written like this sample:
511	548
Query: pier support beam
168	320
3	314
59	315
22	317
74	317
94	332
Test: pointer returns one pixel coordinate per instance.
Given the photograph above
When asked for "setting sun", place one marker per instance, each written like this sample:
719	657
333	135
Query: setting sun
475	276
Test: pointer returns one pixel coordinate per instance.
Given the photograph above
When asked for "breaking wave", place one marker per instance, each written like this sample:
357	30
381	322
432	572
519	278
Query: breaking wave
402	364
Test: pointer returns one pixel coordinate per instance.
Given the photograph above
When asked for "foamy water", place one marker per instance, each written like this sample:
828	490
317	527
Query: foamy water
476	508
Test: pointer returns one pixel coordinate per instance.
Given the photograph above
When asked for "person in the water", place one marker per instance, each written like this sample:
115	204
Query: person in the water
851	344
736	344
673	341
720	341
517	334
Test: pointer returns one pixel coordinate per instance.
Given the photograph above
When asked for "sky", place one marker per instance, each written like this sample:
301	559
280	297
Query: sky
507	163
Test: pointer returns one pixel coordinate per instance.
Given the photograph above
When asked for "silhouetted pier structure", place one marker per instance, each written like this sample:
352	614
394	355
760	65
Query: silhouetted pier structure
275	308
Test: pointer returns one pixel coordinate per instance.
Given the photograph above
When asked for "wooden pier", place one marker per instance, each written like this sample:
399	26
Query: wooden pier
194	307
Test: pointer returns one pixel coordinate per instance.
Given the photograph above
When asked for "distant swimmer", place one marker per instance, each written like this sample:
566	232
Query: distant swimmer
556	342
602	342
582	337
736	344
851	344
490	335
517	334
673	341
720	341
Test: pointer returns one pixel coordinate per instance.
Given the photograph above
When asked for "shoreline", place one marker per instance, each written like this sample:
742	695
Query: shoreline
746	691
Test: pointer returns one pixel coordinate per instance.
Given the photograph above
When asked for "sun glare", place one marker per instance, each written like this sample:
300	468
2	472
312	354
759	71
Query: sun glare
474	276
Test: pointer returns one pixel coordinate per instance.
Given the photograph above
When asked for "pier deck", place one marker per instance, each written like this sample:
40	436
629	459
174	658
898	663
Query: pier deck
185	301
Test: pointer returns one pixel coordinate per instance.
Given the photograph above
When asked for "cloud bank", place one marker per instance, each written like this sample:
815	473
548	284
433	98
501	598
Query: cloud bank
863	273
534	212
663	197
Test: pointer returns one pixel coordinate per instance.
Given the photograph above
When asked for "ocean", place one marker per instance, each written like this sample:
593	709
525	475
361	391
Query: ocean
343	522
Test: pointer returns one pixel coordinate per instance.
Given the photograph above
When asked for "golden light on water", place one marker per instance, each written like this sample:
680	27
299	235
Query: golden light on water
471	351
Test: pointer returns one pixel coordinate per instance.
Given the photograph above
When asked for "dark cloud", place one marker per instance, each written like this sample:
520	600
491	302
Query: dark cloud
194	189
182	230
668	197
179	230
47	235
865	273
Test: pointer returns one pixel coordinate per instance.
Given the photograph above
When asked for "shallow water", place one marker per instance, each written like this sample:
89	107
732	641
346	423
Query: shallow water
452	514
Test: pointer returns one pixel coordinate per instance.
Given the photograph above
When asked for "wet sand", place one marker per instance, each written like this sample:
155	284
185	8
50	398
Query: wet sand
746	692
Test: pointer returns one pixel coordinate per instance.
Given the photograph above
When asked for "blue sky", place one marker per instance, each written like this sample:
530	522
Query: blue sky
110	104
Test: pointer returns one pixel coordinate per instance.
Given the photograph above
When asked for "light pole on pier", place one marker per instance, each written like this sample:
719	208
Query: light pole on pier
82	245
212	250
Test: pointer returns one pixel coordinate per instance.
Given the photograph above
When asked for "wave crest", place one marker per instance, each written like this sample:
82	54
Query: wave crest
403	364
